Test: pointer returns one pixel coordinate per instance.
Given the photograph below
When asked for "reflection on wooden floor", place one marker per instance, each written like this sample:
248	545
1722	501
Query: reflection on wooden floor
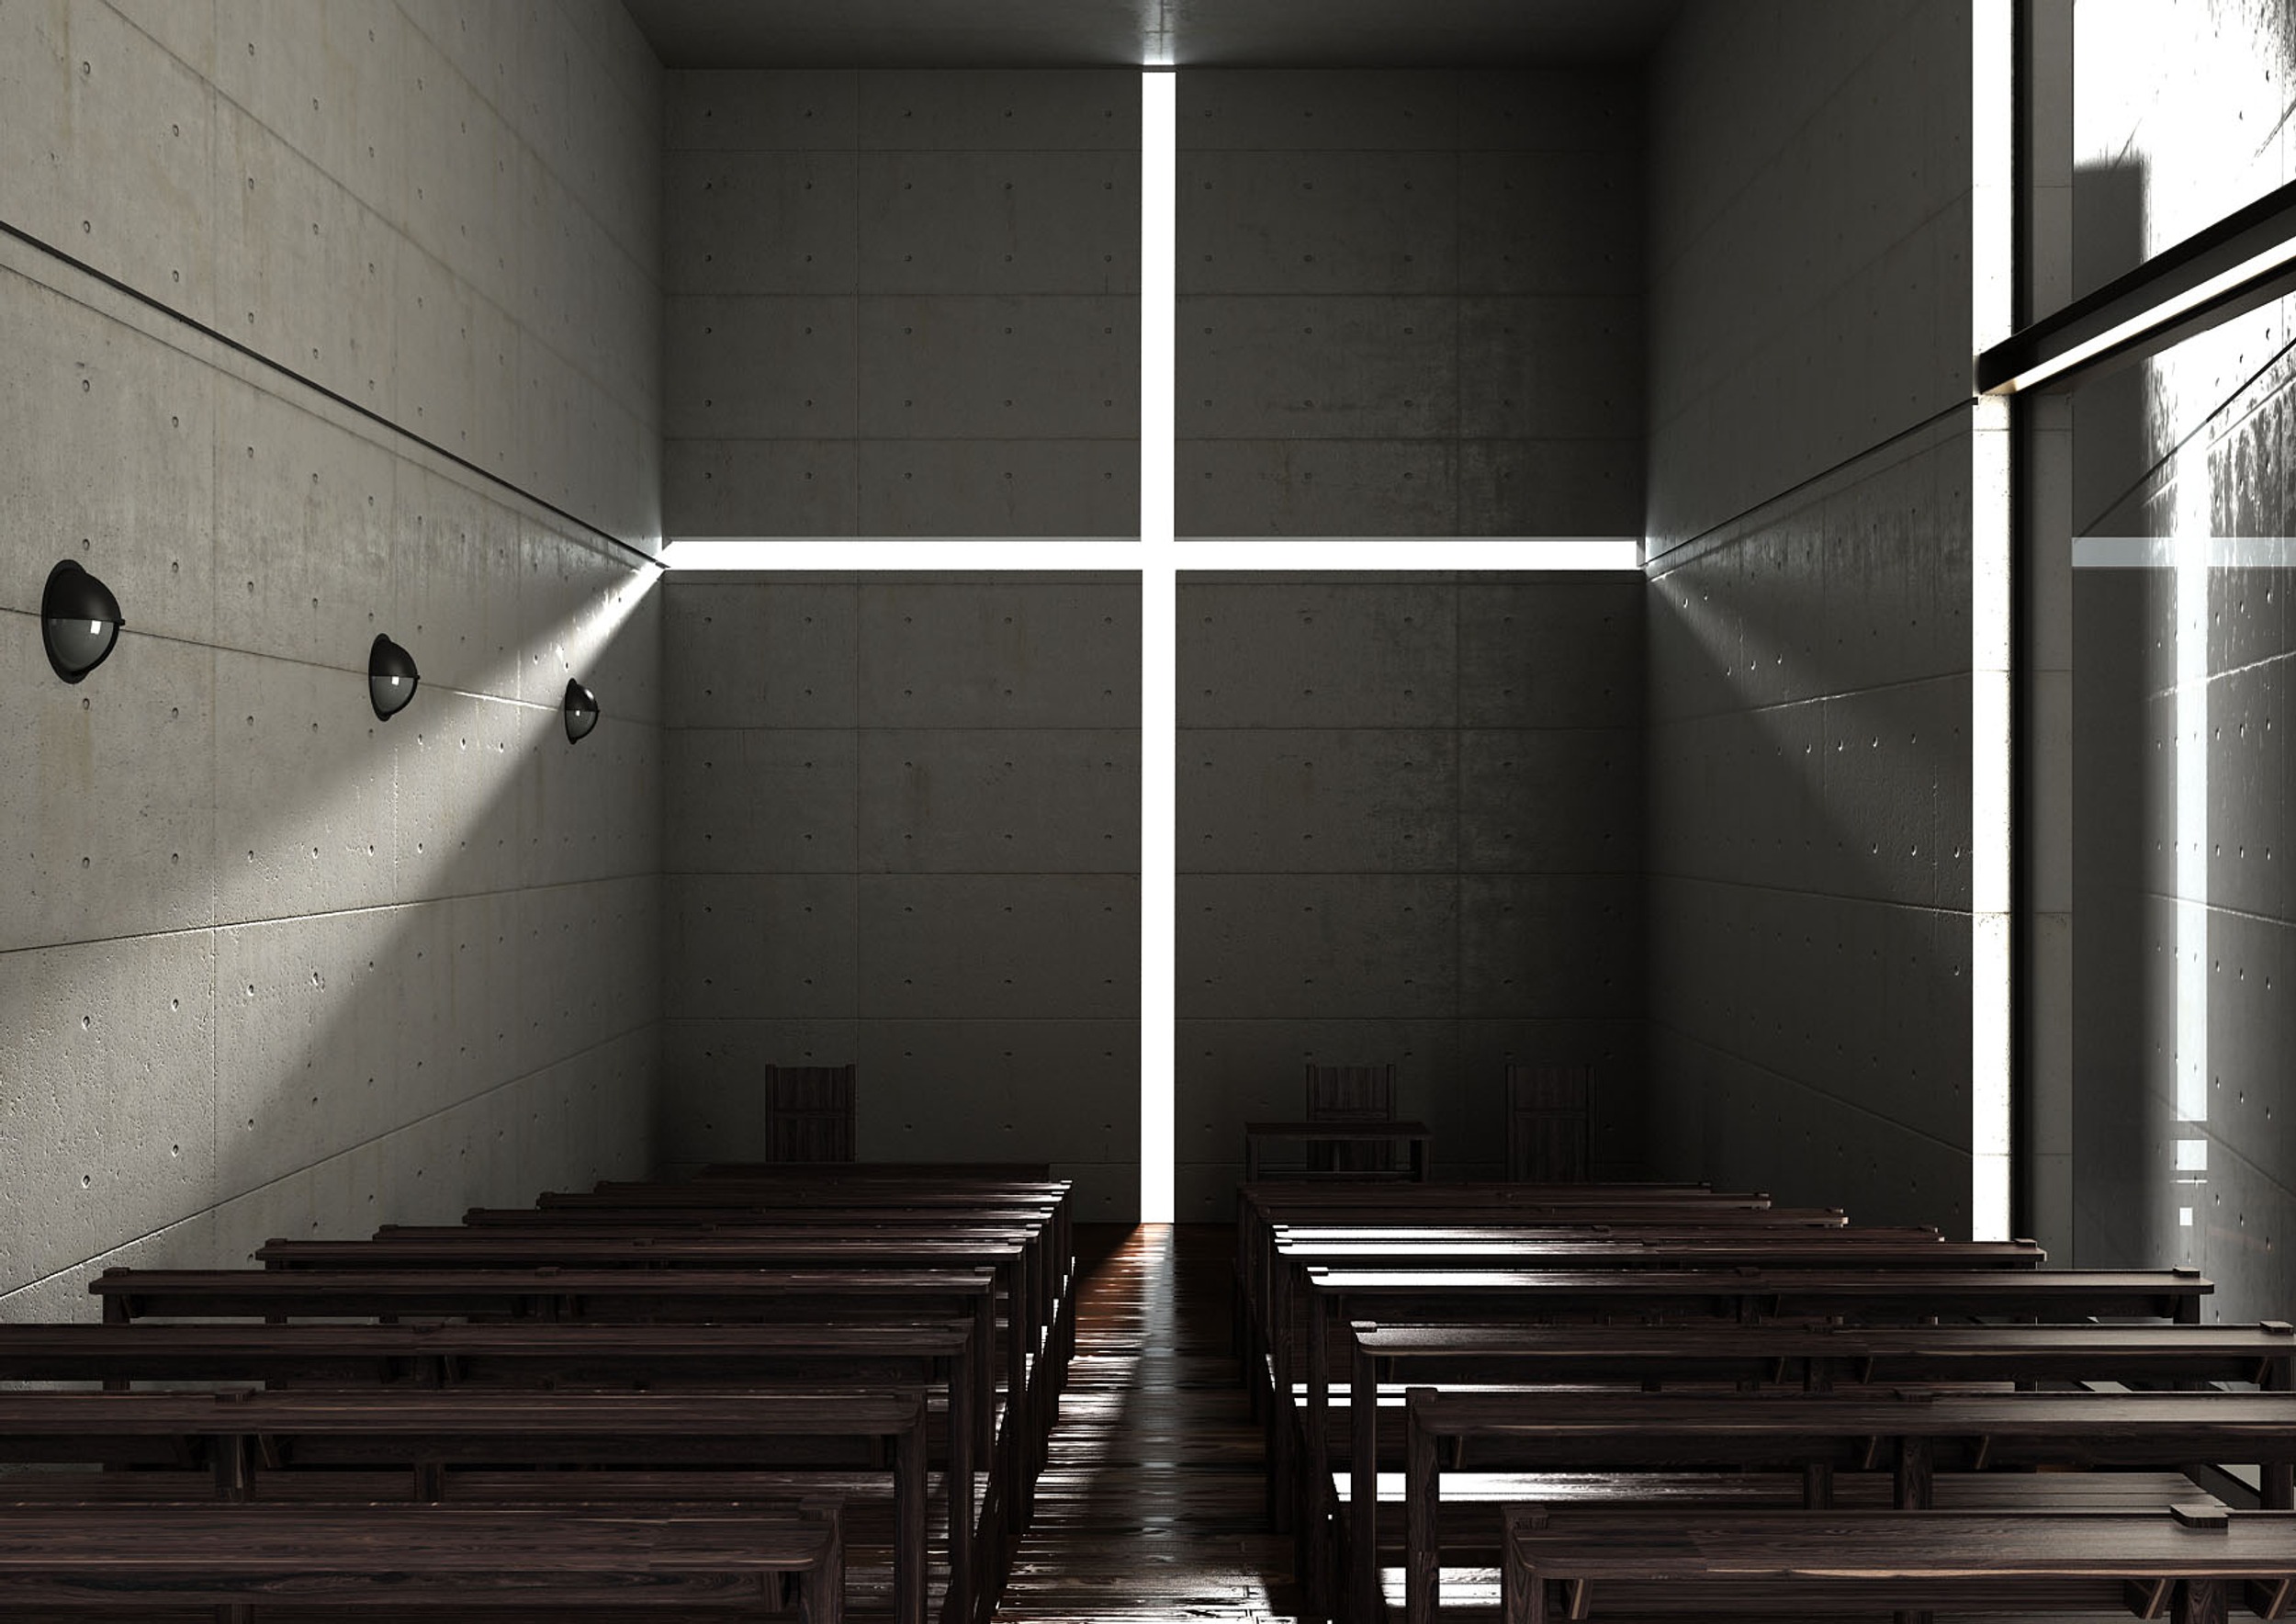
1154	1505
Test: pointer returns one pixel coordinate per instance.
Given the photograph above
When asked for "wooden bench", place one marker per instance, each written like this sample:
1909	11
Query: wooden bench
550	1296
1337	1298
1030	1394
880	1172
241	1439
244	1563
1912	1436
430	1357
1570	1563
1663	1278
1262	1210
1812	1358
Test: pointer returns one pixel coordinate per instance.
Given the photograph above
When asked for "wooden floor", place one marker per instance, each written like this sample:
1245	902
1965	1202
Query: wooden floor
1153	1506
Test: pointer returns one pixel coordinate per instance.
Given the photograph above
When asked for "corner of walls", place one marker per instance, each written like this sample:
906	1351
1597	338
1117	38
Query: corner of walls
1809	526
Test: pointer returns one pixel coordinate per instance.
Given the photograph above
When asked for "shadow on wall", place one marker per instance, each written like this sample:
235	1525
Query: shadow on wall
1810	815
425	968
2123	1069
2183	920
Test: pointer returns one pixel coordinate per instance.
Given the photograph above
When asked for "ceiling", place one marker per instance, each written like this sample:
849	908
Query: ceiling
1127	33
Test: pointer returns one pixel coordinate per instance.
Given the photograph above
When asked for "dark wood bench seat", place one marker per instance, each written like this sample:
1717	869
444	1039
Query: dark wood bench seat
1574	1563
878	1172
1026	1342
1338	1298
1910	1437
237	1560
934	1357
245	1439
864	1500
1474	1500
2263	1355
551	1295
1389	1360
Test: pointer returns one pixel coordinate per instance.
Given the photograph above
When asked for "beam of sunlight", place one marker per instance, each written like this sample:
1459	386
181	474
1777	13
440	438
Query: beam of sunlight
1992	613
1159	635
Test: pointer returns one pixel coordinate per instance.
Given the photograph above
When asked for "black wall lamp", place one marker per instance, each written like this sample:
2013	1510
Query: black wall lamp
390	677
79	621
582	712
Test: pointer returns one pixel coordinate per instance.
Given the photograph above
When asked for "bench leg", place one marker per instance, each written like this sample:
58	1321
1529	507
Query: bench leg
1422	1551
1522	1593
909	1575
1818	1485
821	1593
1363	1493
1912	1489
2201	1601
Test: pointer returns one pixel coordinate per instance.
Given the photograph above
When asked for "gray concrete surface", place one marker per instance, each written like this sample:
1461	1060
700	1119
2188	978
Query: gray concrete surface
902	303
1809	635
1409	303
1410	832
902	830
268	966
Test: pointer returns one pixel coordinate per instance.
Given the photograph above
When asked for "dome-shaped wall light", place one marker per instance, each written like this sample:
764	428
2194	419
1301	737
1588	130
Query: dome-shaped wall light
390	677
582	712
79	621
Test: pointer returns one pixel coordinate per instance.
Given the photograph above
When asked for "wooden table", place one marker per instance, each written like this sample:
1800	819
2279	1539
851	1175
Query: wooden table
1414	1138
1790	1564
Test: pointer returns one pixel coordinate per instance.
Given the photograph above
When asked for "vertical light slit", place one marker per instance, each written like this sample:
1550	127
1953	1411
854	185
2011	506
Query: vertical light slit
1992	996
1159	628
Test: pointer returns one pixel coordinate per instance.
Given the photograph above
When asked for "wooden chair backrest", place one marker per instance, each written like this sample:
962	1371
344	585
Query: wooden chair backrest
809	1113
1351	1094
1549	1113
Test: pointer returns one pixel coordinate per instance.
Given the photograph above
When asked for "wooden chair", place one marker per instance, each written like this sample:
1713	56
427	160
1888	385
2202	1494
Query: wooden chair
1350	1094
809	1113
1549	1112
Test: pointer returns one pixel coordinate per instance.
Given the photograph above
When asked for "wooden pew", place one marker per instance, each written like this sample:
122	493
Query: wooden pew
1336	1298
1813	1359
550	1296
1027	1403
1262	1210
871	1189
243	1438
1694	1257
429	1357
878	1172
1570	1563
901	1194
292	1562
1913	1434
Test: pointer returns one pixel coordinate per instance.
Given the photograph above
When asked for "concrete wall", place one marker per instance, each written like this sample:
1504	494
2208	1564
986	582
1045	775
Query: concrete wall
1409	831
1409	303
902	303
268	966
904	831
1809	539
